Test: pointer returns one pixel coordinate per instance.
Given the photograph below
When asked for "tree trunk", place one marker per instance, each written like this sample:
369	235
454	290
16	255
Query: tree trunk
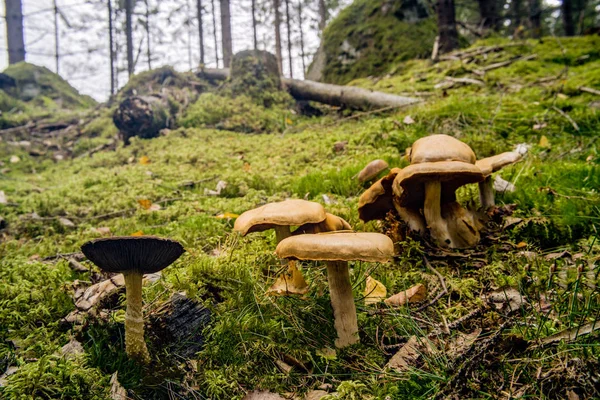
226	33
142	116
56	46
289	36
254	25
214	21
489	14
276	4
148	50
14	31
200	31
301	37
535	18
516	9
566	9
129	35
322	15
447	25
112	48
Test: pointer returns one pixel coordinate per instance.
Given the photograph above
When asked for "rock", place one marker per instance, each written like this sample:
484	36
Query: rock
67	223
339	147
262	395
4	377
315	395
72	349
98	292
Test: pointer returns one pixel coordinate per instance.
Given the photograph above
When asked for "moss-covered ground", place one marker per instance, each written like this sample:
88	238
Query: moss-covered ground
549	254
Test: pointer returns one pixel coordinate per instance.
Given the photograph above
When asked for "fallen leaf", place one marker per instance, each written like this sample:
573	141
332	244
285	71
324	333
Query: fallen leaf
414	294
247	167
227	215
145	203
145	160
4	377
408	120
571	334
461	343
94	294
3	197
14	159
289	121
137	233
117	392
72	349
537	127
66	222
103	230
283	366
262	395
155	207
521	245
375	291
544	142
409	354
571	395
291	282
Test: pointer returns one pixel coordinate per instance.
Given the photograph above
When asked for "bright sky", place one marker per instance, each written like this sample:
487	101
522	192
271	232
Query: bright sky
83	39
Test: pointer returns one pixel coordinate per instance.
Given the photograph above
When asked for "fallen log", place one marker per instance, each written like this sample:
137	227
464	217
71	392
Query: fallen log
335	95
142	116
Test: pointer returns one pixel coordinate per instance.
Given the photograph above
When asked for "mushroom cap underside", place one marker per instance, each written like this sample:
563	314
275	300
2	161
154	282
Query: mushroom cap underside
330	224
145	254
284	213
377	200
495	163
437	148
409	185
337	246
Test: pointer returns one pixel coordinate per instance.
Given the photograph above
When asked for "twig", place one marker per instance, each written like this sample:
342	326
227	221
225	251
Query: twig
442	282
436	49
564	114
76	255
483	70
589	90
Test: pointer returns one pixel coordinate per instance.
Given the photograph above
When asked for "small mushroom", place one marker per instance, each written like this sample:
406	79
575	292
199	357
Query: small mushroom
336	249
372	170
488	166
440	164
330	224
133	257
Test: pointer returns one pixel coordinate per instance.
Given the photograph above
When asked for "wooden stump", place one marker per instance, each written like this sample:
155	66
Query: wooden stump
142	116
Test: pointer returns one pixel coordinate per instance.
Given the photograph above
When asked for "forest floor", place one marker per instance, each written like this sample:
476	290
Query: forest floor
513	317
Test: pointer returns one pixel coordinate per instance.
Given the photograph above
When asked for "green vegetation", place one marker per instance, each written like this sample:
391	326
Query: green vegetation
370	36
535	102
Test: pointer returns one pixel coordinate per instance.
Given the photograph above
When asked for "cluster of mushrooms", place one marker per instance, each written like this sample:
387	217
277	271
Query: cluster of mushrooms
423	195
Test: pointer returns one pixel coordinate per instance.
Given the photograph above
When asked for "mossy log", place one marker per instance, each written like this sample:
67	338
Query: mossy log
142	116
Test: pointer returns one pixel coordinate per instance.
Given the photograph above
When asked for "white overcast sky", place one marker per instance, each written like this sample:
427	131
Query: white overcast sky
83	38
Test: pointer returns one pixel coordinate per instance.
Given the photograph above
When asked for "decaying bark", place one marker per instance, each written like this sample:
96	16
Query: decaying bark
142	116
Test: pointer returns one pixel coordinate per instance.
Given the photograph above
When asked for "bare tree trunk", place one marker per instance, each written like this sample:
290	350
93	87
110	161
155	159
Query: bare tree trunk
14	31
148	51
535	17
447	25
56	46
489	14
276	4
189	33
214	21
301	37
200	31
112	48
226	33
254	25
129	35
289	36
322	15
516	9
566	9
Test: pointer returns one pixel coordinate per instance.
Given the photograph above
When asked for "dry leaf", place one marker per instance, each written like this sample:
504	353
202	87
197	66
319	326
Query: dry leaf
14	159
144	160
509	299
97	292
155	207
117	392
544	142
408	120
103	230
375	291
461	343
71	349
289	283
4	377
66	222
145	203
247	167
227	215
3	197
571	334
289	121
409	354
521	245
414	294
137	233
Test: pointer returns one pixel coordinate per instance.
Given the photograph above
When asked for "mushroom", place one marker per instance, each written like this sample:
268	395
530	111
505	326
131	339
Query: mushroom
440	164
488	166
336	249
133	256
372	170
330	224
379	199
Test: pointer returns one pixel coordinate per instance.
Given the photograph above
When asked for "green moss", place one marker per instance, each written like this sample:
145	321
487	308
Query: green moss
369	37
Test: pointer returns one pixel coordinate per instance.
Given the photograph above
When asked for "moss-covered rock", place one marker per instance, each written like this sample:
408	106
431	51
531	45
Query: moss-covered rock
154	80
371	35
42	87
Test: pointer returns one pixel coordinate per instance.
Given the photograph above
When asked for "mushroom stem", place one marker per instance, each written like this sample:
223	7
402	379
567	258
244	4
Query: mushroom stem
342	302
433	214
486	193
413	219
282	232
134	319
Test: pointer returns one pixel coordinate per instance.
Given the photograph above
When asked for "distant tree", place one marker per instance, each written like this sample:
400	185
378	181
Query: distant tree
111	46
129	4
14	31
147	29
488	11
200	11
535	17
566	9
323	15
214	22
301	31
276	6
254	25
226	33
288	25
446	16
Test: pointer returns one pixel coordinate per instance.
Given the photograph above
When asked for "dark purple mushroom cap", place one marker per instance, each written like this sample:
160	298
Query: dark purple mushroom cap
146	254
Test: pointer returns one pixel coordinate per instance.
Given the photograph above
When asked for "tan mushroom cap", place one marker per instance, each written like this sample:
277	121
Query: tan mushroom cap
337	246
330	224
497	162
436	148
377	200
283	213
371	170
